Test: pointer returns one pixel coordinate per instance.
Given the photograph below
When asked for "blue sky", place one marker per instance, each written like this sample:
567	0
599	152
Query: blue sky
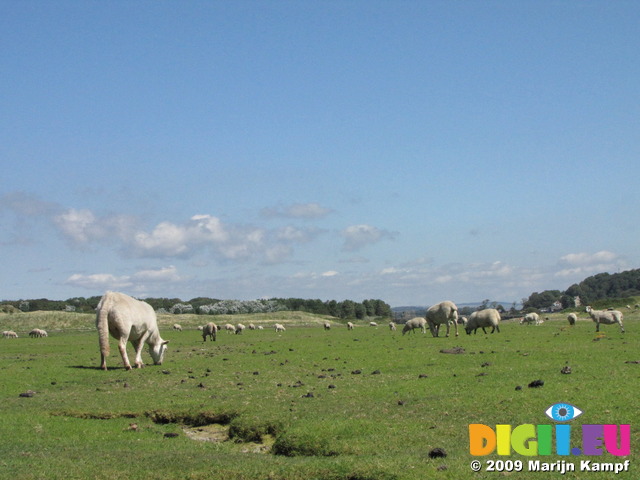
407	151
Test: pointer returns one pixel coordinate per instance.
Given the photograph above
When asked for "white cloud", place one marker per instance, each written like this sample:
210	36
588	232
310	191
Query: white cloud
139	281
581	265
307	211
359	236
330	273
82	227
27	205
99	281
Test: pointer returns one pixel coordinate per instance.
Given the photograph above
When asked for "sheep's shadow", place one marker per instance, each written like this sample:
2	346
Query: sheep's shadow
87	367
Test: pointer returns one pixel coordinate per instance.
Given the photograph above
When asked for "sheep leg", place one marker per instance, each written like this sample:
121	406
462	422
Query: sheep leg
138	344
122	346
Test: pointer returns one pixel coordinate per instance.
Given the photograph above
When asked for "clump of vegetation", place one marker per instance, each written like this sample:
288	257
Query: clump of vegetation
303	444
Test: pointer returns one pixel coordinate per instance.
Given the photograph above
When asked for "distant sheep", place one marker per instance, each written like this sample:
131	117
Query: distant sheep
607	317
572	318
373	324
177	326
531	318
442	313
209	330
230	328
9	334
279	327
462	321
417	322
392	326
350	326
327	326
260	327
200	327
240	328
38	333
252	326
489	317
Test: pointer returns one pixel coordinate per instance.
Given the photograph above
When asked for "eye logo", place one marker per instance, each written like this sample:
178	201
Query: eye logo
562	412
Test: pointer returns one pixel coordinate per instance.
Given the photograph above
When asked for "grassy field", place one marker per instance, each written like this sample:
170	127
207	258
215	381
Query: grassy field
304	404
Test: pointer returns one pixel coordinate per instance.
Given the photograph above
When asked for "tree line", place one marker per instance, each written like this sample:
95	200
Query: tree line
591	291
346	309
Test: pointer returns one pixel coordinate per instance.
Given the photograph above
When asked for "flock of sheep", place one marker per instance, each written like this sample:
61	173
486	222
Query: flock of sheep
35	333
210	330
131	320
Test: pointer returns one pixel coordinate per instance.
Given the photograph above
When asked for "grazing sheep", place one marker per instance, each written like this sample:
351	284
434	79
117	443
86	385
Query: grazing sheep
392	326
38	333
417	322
373	324
350	326
607	317
230	328
128	319
209	330
462	321
200	327
252	326
327	326
279	327
489	317
442	313
9	334
260	327
573	318
177	326
240	328
531	318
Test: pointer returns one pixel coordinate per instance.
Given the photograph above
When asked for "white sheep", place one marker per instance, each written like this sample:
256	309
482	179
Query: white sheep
373	324
489	317
327	326
200	327
531	318
37	333
572	318
252	326
442	313
392	326
128	320
177	326
260	327
462	321
416	322
607	317
209	330
230	328
9	334
240	328
279	327
350	326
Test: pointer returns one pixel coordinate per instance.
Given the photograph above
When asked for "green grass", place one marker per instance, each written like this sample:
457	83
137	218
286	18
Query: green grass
299	397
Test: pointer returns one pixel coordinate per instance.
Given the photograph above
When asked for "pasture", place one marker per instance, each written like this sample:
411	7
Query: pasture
302	404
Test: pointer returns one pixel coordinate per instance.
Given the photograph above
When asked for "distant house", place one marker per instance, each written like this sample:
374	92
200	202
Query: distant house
555	307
